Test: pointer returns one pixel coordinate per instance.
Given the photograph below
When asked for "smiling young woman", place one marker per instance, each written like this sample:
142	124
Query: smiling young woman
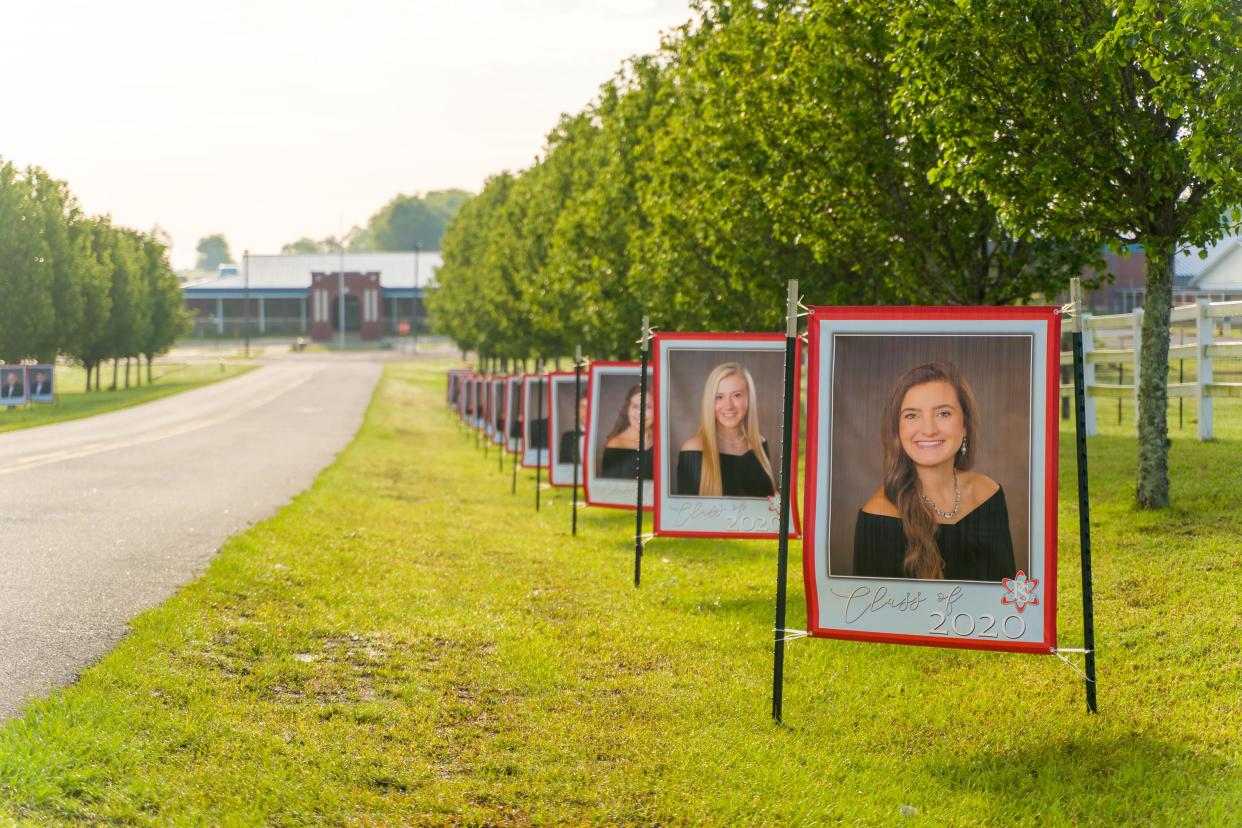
727	457
933	518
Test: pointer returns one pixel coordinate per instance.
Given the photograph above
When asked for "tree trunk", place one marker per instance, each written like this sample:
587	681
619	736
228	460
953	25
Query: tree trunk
1153	419
115	366
127	372
150	359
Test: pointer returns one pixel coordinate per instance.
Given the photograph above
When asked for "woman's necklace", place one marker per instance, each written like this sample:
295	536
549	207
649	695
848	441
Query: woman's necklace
731	442
957	501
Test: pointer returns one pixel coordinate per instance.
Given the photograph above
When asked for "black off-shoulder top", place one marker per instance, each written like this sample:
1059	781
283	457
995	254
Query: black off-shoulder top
741	475
623	463
976	548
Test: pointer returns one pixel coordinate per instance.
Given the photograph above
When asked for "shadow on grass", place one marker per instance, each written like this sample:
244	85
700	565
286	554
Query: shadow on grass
1132	779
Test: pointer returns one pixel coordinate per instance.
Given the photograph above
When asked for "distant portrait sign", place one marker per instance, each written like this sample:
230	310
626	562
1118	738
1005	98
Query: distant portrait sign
456	379
720	408
12	385
932	476
496	404
567	444
534	420
513	414
39	383
480	402
613	457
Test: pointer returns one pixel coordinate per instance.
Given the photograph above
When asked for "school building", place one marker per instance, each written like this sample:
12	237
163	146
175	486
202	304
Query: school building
378	295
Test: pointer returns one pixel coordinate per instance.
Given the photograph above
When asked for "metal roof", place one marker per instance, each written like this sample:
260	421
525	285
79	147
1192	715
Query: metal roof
276	272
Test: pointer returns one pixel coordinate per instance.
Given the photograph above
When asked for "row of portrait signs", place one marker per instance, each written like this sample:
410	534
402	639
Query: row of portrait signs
22	384
929	472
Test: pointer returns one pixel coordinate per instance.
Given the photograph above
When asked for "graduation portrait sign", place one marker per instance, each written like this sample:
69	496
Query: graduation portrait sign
719	413
932	476
613	459
534	421
566	444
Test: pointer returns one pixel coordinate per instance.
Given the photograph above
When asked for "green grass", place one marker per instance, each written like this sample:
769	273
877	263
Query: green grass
72	401
409	643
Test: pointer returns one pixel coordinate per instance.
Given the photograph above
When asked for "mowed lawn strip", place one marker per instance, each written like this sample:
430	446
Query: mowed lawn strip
73	402
409	643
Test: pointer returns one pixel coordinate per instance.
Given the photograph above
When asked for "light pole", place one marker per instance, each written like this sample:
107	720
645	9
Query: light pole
340	296
414	305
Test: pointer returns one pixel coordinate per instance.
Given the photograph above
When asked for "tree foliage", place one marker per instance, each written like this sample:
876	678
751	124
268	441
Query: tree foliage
1117	123
78	286
762	142
213	251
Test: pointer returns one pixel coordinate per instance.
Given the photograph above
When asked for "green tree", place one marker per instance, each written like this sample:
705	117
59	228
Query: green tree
1117	123
168	319
27	312
213	251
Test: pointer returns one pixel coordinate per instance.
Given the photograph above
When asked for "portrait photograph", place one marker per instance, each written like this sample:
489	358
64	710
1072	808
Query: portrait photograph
614	459
513	413
569	444
13	385
479	385
720	414
534	421
456	379
39	388
931	475
496	405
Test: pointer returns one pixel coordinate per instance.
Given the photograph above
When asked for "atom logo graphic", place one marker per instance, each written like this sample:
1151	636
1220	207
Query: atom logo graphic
1020	591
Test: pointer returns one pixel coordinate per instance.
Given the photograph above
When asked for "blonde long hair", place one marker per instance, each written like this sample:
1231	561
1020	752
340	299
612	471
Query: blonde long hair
710	483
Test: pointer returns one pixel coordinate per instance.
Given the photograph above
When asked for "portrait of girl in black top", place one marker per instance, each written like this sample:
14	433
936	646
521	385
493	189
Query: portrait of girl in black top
728	457
621	445
932	517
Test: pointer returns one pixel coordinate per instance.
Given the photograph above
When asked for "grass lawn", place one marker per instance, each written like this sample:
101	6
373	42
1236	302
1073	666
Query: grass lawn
409	643
72	401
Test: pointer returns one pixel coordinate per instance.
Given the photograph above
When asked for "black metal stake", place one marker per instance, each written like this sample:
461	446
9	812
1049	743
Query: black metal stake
521	389
1084	510
782	548
538	418
642	433
577	431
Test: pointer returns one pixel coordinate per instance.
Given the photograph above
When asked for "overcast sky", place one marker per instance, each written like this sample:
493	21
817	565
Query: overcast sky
268	120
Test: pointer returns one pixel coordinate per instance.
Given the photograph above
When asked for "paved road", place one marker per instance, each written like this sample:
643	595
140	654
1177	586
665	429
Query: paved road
104	517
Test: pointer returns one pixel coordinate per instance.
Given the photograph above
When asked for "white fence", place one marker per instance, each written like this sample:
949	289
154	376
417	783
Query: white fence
1203	318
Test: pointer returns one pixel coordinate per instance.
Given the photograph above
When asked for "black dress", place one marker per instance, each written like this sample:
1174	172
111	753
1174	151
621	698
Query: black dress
569	447
976	548
623	463
741	475
539	435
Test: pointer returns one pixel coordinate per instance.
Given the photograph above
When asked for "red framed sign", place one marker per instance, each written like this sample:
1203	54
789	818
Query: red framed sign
931	498
534	421
513	413
565	445
456	380
496	405
718	437
612	457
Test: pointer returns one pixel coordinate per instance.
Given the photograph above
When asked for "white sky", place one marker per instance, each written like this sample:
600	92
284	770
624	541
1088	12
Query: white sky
268	120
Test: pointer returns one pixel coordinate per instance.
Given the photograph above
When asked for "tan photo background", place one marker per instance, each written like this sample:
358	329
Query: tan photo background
865	367
687	372
563	392
612	390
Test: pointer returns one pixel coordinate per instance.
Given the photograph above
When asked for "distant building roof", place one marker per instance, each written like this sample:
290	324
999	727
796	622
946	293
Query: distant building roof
277	272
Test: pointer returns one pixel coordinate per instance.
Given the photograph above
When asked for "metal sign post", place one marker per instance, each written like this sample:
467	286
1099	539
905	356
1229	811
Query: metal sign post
1084	506
642	433
782	548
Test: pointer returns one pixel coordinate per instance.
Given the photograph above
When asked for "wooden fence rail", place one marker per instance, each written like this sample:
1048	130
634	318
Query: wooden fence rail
1203	316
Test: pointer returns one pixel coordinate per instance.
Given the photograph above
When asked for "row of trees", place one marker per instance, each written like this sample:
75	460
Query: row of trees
78	285
925	152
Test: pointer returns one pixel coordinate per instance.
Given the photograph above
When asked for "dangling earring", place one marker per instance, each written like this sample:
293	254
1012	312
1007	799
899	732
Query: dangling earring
963	446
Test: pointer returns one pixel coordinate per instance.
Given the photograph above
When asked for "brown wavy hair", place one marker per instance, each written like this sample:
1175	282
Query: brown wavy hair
623	416
901	483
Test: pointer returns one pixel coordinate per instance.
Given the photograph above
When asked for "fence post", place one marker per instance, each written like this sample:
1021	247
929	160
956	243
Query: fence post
1138	358
1203	324
1088	373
